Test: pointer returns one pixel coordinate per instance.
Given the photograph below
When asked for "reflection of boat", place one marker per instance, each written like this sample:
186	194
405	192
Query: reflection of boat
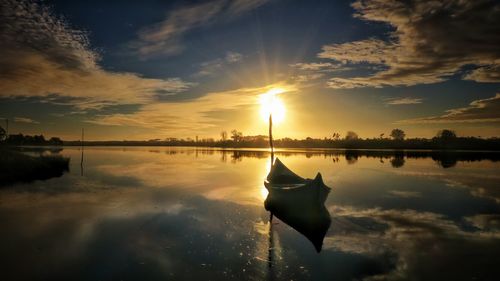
298	202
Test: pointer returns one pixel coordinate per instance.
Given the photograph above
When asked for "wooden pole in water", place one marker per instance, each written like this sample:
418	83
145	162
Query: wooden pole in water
271	137
81	161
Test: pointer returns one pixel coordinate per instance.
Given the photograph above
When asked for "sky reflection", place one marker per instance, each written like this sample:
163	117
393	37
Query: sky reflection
175	213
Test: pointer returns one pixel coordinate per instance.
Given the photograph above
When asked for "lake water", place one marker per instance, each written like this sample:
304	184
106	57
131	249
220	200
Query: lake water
156	213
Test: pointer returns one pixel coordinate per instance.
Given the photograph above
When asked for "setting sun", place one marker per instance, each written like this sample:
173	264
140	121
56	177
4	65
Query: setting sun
270	103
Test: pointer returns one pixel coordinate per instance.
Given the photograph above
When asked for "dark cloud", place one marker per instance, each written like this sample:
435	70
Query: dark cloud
430	41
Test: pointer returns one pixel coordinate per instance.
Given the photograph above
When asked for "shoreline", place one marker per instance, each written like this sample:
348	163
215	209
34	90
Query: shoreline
261	149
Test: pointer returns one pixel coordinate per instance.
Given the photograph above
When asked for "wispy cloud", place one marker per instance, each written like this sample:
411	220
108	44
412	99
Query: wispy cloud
405	193
489	73
402	101
184	118
317	66
165	38
422	50
213	66
42	56
232	57
484	110
310	73
25	120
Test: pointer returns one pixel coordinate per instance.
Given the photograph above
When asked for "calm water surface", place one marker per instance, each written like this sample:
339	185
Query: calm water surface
148	213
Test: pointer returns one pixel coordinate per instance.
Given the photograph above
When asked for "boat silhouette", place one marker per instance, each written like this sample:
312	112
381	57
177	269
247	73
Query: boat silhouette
298	202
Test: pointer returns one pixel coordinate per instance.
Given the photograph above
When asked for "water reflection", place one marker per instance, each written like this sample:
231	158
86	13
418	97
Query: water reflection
298	202
182	213
398	160
301	212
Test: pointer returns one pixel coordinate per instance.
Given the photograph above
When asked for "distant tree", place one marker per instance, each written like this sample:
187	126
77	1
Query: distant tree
55	141
398	134
446	135
382	135
3	134
223	135
236	135
350	135
38	139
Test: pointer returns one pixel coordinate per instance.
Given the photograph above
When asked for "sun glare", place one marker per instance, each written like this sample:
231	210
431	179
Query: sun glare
270	103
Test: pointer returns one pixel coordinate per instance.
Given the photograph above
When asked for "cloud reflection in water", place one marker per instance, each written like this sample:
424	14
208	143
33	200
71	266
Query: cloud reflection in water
177	213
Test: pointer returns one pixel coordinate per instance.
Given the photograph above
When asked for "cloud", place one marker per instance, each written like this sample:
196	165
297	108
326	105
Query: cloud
405	194
165	38
25	120
304	78
212	66
485	110
232	57
371	51
42	56
430	41
310	73
489	73
316	66
403	101
485	222
181	118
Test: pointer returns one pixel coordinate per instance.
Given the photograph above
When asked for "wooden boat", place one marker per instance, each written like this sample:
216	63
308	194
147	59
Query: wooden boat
283	180
298	202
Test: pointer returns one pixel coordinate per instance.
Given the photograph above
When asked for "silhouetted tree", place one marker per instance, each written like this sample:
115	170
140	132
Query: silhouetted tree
398	134
382	136
236	135
3	134
350	135
336	136
446	135
55	141
38	139
223	135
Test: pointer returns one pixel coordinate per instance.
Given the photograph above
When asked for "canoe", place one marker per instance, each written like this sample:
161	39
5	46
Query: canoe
298	202
283	180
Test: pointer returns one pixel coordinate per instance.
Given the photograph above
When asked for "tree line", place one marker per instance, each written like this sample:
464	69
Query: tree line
444	139
20	139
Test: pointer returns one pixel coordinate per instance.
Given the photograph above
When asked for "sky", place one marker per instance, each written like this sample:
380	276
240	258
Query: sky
141	70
